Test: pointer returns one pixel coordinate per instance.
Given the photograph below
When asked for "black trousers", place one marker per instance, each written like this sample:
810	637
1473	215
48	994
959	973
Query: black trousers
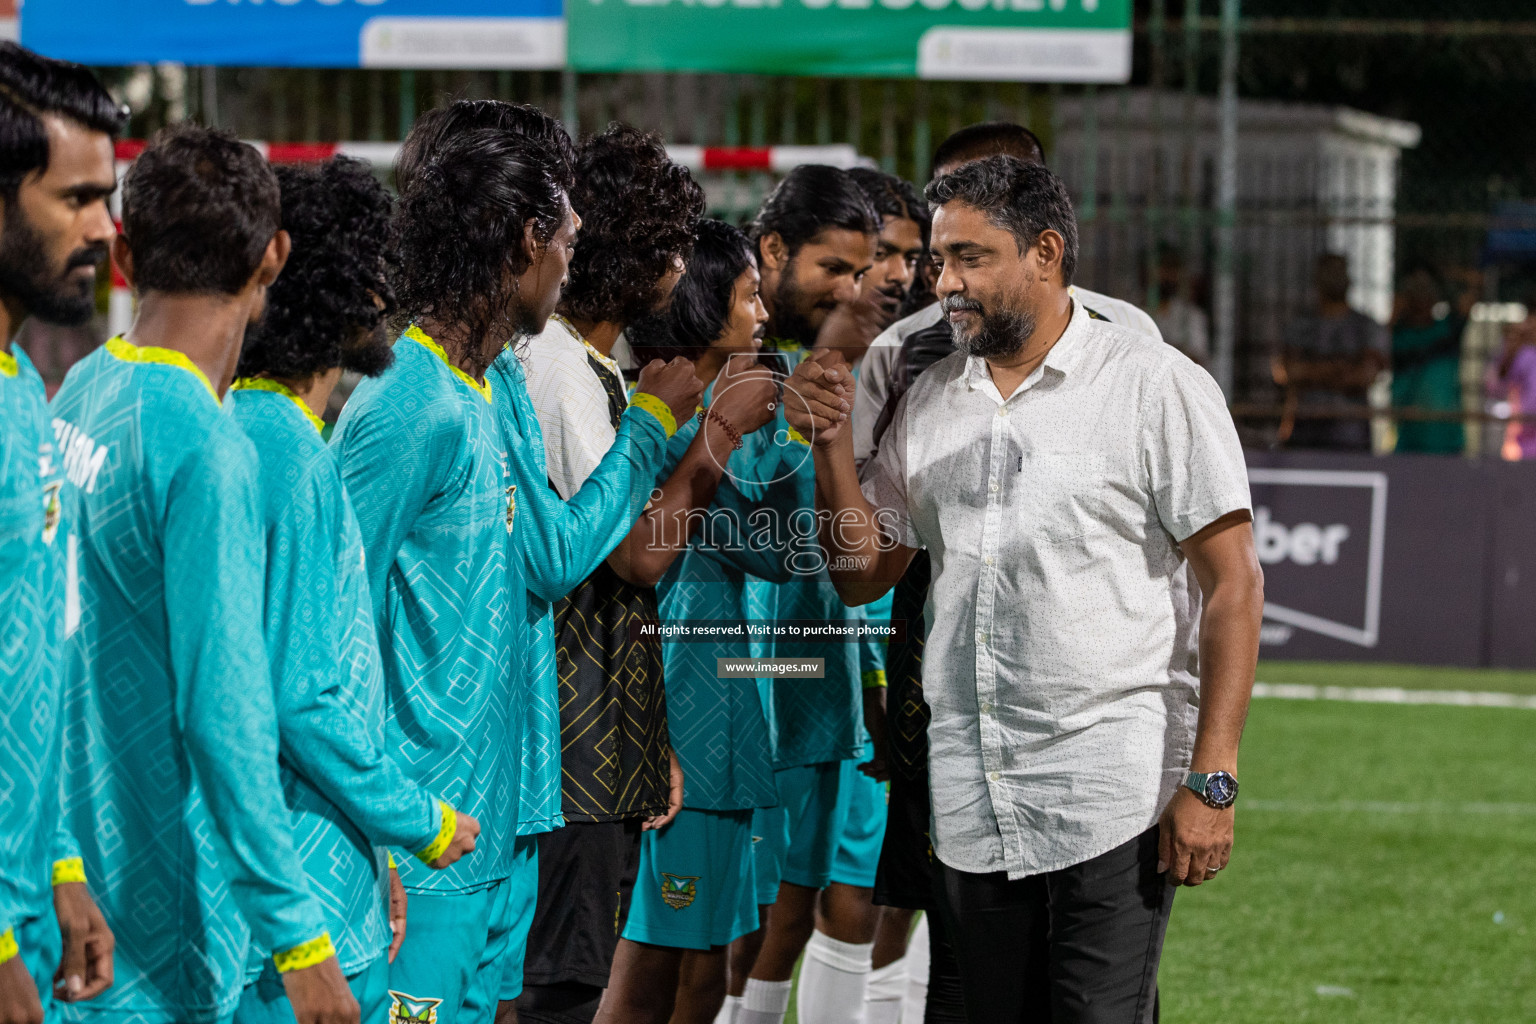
1075	946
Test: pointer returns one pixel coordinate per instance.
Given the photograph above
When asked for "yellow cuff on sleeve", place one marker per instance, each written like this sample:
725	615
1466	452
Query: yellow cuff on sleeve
392	864
8	948
444	836
874	679
798	438
656	407
70	869
304	955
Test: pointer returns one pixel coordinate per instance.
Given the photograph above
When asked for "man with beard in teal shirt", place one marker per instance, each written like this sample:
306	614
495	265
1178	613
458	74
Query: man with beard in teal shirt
57	123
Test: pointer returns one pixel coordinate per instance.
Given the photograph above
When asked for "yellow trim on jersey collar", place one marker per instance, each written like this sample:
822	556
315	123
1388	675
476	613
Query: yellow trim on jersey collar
279	388
606	360
8	365
131	353
424	339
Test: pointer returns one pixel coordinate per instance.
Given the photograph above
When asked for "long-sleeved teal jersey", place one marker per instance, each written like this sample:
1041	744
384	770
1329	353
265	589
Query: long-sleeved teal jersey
424	460
812	721
717	725
560	543
348	796
171	775
31	628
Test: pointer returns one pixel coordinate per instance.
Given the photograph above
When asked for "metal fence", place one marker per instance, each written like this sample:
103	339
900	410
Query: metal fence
1364	127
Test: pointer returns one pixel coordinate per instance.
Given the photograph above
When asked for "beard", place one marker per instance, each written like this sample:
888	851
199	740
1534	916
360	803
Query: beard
24	273
791	317
1002	332
371	355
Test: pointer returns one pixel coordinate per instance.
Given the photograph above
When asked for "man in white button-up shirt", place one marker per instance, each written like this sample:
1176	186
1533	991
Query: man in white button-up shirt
1079	487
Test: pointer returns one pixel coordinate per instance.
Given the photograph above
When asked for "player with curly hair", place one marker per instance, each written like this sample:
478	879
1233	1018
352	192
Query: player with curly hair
348	797
443	459
481	232
620	776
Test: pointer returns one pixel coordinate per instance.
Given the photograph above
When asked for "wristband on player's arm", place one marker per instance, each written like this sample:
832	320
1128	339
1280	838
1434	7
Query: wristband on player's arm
439	845
305	954
68	869
657	408
874	679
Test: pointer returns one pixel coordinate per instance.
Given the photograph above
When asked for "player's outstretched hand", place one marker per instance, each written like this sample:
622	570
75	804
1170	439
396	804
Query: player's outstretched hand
819	396
746	393
18	995
675	384
465	831
321	995
397	905
85	969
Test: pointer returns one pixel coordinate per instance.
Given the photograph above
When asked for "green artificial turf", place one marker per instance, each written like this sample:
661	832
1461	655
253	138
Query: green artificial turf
1385	864
1382	873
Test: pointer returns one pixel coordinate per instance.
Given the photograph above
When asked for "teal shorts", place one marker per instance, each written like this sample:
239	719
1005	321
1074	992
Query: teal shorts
861	816
40	948
694	888
795	841
455	952
525	892
265	1000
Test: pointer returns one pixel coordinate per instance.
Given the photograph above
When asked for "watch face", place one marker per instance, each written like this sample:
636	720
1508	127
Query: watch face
1221	788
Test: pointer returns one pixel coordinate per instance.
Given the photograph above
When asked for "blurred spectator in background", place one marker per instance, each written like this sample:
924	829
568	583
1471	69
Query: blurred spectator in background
1426	361
1513	379
1330	359
1183	324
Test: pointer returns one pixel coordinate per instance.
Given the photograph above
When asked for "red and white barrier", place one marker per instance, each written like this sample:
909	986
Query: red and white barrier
698	159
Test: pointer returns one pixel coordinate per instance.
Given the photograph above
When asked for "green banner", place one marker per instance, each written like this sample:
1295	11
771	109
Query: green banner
994	40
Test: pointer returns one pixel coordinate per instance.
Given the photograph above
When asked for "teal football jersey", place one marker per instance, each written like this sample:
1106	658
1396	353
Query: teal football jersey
31	629
812	721
560	543
348	796
717	724
424	460
171	773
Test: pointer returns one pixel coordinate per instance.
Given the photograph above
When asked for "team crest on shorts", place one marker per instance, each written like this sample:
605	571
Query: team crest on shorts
679	891
53	510
511	506
409	1009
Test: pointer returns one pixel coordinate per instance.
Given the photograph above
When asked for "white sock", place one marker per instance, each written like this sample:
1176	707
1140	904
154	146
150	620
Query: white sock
883	995
727	1014
832	979
764	1002
915	1005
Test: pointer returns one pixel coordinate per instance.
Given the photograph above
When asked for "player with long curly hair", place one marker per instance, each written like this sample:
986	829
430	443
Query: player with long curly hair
349	798
620	776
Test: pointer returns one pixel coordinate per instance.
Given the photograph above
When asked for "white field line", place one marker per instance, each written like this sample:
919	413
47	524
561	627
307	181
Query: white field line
1395	695
1444	807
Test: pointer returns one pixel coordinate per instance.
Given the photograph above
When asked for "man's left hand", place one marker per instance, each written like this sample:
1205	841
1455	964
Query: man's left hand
674	796
85	969
1194	839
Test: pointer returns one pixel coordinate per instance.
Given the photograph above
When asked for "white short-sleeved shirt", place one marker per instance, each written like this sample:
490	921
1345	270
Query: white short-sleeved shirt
878	366
1061	662
571	404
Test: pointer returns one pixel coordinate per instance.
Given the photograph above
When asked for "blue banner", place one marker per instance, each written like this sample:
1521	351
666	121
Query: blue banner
301	33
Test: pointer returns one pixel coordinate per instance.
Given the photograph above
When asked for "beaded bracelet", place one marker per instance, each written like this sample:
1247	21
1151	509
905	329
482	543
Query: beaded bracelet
725	425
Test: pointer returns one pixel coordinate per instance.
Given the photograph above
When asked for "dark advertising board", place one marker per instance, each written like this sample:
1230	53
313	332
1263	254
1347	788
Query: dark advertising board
1412	559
